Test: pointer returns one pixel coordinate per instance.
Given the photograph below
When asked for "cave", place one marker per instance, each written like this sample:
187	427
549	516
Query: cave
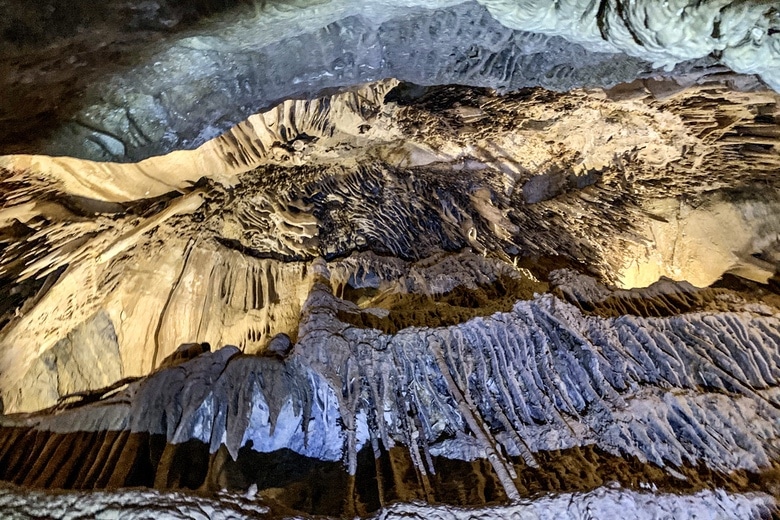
339	259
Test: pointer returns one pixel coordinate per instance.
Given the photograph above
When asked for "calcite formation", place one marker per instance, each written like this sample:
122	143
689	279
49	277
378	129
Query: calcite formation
441	260
682	400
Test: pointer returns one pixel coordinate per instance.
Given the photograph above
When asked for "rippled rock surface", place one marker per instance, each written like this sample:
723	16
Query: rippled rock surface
517	398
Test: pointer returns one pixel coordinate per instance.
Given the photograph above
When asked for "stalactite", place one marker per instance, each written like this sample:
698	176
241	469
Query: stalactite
499	465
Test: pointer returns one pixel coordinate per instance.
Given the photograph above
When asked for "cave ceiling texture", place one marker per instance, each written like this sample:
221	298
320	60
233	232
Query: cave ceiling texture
425	260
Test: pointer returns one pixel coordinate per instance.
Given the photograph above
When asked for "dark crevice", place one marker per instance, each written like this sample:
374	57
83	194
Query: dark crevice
291	483
459	305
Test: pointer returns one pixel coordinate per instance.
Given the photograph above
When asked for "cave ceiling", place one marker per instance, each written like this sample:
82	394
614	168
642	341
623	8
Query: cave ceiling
340	258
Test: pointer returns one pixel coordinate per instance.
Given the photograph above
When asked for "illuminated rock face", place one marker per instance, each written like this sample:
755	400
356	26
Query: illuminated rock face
371	292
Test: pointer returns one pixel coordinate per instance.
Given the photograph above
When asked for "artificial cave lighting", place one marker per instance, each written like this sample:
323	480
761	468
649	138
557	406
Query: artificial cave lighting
443	260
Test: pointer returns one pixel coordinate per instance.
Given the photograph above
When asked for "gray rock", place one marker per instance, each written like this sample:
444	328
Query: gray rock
185	90
280	345
541	377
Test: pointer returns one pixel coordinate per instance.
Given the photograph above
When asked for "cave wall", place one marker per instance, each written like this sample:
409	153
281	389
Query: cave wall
213	245
450	255
544	396
125	94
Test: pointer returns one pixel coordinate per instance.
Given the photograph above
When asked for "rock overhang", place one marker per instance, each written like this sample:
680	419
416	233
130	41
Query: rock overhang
132	93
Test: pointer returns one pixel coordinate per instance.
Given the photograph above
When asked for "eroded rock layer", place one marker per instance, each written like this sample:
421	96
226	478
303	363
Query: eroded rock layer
126	262
516	400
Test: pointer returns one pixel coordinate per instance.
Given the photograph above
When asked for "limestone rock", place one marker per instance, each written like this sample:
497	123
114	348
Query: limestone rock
458	259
